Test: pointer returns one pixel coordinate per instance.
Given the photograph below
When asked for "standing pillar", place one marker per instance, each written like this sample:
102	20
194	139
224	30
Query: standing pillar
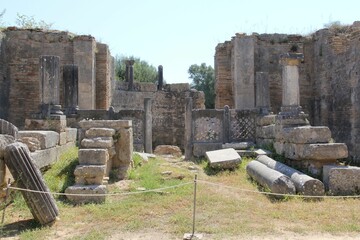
188	129
127	72
130	64
161	77
148	125
290	83
262	92
50	85
70	78
243	72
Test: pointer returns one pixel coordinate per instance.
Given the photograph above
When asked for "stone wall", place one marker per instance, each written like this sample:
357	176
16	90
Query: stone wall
168	108
20	70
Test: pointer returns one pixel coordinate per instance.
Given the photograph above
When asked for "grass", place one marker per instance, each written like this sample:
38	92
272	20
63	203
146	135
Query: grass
222	210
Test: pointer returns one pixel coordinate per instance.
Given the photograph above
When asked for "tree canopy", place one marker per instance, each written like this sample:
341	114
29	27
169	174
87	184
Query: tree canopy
203	79
143	71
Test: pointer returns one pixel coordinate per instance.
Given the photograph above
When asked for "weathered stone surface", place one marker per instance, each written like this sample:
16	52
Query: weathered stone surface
199	149
99	132
62	138
89	174
55	123
304	184
264	142
124	148
115	124
98	142
342	180
4	141
32	143
71	134
267	177
238	145
265	120
168	150
223	158
93	156
320	152
47	139
265	131
304	134
291	120
89	189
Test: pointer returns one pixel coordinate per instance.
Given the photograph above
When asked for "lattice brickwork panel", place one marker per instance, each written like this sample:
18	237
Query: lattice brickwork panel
242	126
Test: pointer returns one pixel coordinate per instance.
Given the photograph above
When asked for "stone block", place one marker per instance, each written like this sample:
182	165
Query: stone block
62	138
279	147
88	189
93	156
319	152
178	87
89	174
199	149
265	142
265	120
99	142
115	124
292	120
71	134
32	143
55	123
223	158
99	132
238	145
266	131
168	150
124	148
342	180
47	139
304	134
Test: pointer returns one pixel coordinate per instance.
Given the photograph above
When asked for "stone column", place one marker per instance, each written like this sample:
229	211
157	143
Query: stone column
148	125
127	72
243	72
262	92
161	77
188	129
290	83
226	124
70	78
50	84
130	64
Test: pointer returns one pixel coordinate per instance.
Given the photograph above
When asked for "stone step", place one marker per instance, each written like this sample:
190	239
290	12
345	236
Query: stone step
238	145
86	189
304	134
98	142
89	174
223	158
93	156
99	132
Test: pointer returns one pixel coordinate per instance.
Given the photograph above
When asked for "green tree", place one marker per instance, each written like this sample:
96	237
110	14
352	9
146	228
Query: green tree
203	79
29	22
143	71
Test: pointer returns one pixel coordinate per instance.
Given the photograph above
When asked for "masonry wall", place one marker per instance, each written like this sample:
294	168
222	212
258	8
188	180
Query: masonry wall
168	108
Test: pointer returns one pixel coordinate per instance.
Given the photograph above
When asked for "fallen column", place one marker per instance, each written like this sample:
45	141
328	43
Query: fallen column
267	177
42	205
304	184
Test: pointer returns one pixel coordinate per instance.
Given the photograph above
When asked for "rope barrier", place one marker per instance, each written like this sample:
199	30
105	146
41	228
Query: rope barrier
274	194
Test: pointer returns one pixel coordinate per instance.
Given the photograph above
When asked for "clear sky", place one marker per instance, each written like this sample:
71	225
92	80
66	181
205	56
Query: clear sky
179	33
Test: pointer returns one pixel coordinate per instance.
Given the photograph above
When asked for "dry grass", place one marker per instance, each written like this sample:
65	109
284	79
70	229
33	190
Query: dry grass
222	212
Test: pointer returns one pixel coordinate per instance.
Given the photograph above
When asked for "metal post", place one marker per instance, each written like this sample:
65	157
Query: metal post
195	183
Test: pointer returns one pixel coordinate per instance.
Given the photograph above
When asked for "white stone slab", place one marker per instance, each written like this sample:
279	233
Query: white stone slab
47	139
223	158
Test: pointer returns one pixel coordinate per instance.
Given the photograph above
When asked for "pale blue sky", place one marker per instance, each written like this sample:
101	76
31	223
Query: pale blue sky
179	33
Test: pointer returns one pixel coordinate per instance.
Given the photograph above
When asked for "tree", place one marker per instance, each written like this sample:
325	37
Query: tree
2	24
203	79
143	71
27	22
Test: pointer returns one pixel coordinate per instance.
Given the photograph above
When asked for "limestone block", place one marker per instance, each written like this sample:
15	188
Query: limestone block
88	189
265	120
342	180
267	177
89	174
223	158
99	142
62	138
93	156
99	132
115	124
238	145
265	142
279	147
291	120
168	150
124	148
71	134
266	131
47	139
199	149
55	123
304	134
32	143
320	152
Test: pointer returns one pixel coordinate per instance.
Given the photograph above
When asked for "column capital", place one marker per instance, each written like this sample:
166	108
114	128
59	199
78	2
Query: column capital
129	62
291	59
